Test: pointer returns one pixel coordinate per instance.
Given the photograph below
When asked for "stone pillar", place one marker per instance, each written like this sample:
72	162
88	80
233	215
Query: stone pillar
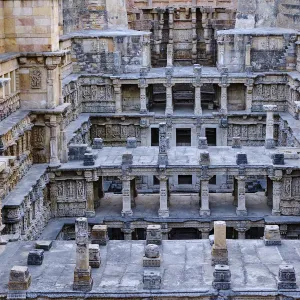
277	188
163	147
249	94
204	233
143	96
163	197
54	161
127	197
90	206
241	196
169	99
127	230
82	275
194	34
198	107
171	25
223	102
204	210
154	235
118	97
50	87
170	55
219	251
221	52
248	56
269	142
64	150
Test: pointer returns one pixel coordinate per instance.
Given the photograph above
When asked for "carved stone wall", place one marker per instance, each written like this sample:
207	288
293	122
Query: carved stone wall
27	221
114	131
131	98
109	55
251	130
97	95
70	198
290	194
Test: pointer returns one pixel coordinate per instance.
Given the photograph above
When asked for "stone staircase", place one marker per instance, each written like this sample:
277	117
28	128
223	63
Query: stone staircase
288	60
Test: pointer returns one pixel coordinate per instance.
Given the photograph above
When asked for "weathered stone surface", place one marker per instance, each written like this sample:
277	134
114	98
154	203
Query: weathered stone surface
94	256
222	277
286	277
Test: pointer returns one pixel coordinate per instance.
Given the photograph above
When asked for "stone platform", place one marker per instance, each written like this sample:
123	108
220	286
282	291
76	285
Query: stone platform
185	267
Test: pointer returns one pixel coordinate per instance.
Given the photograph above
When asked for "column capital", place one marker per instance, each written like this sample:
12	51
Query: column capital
223	85
197	84
275	178
168	84
240	177
270	108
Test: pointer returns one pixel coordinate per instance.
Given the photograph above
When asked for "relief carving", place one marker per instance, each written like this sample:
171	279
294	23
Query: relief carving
35	78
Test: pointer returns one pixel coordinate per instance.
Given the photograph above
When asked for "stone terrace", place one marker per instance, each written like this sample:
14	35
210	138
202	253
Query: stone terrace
186	267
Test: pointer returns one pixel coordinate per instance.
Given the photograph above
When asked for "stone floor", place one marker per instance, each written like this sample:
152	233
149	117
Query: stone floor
185	266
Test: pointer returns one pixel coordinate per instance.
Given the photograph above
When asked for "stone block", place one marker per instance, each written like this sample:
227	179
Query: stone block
131	142
202	143
269	144
222	277
219	256
236	142
151	280
272	235
99	235
88	159
35	257
19	278
278	159
98	143
241	159
76	152
44	245
286	277
169	71
154	235
219	253
94	256
127	159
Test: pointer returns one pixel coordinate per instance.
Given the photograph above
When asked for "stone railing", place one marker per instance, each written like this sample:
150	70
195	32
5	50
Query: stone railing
9	105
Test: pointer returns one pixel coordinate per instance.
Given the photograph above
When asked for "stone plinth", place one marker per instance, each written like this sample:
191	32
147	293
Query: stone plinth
152	280
219	251
97	143
202	143
241	159
131	142
222	277
83	280
100	235
94	256
44	245
278	159
88	159
272	235
19	278
286	277
152	256
204	158
35	257
154	234
236	142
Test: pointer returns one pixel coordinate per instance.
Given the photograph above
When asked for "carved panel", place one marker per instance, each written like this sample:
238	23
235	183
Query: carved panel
35	78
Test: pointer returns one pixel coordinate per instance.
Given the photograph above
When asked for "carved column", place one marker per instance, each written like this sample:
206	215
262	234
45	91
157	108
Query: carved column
249	94
171	25
204	233
50	87
127	230
277	188
163	197
118	97
198	107
224	99
269	142
194	34
143	96
169	99
241	195
90	208
126	196
54	161
221	52
204	210
82	275
64	150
